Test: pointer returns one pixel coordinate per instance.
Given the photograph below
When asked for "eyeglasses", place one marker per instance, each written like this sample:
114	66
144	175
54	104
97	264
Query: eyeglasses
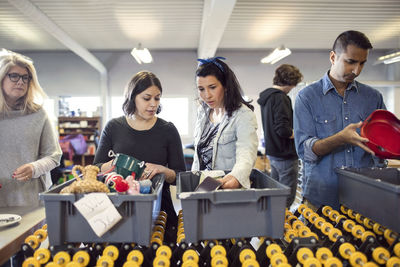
14	77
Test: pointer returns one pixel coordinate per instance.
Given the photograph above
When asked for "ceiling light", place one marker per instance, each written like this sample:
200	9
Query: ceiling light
278	54
390	58
142	55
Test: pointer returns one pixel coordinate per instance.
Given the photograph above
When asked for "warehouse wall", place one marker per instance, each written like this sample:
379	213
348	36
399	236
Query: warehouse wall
65	74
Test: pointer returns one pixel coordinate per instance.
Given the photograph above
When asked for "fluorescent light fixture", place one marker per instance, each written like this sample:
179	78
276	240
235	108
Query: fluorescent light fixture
391	58
142	55
278	54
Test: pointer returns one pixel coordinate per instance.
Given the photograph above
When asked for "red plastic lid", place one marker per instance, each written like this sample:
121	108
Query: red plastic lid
382	128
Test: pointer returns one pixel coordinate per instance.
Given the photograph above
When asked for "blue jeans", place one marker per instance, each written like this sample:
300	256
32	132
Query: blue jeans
285	171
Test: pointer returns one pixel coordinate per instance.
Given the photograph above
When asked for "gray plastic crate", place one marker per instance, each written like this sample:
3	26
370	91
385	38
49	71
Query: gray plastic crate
65	224
222	214
372	192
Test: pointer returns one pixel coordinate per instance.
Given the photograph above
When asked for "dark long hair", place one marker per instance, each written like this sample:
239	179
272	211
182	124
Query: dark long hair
138	83
233	92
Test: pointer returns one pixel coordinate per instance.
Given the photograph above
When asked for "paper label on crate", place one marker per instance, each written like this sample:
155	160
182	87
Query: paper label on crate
99	212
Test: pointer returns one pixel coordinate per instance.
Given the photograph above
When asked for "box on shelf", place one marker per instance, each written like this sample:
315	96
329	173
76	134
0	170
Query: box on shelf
372	192
65	224
237	213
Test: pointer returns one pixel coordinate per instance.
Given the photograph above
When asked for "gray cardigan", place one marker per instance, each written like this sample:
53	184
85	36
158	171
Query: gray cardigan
235	145
25	139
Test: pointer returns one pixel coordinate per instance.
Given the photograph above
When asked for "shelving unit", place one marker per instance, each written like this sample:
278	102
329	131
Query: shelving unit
87	126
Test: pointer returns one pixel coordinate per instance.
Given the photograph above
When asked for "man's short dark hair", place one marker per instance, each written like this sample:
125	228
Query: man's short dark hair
346	38
286	75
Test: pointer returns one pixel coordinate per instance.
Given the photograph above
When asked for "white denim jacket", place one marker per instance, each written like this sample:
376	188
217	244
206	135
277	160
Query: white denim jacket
235	145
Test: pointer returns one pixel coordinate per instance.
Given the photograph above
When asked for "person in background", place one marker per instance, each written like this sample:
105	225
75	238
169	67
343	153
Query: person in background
144	136
277	120
327	118
225	136
29	146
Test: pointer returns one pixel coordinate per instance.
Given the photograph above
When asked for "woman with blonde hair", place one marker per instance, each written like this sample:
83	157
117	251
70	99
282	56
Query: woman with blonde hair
29	146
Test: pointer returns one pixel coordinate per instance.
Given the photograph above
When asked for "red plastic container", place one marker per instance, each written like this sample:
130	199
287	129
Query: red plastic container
382	128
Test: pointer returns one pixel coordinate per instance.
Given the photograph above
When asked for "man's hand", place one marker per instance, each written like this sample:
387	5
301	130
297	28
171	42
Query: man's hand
229	182
349	135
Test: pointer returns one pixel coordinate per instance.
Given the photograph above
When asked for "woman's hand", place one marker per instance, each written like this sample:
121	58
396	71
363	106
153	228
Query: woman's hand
229	182
24	172
151	170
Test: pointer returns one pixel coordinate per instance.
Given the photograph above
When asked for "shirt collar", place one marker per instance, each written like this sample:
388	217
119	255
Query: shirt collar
327	84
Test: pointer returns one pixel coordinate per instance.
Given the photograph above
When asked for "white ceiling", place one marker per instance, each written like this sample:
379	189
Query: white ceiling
190	24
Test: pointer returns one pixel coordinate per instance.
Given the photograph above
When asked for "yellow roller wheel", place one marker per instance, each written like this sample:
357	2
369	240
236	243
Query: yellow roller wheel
368	223
388	234
136	256
62	258
334	234
162	217
319	222
44	227
164	251
340	217
346	249
191	255
393	262
285	265
311	262
312	234
313	217
32	241
351	214
278	259
301	207
370	264
156	240
357	231
333	262
246	254
303	254
326	210
359	218
52	264
343	209
217	250
286	227
40	234
112	252
42	255
348	225
180	231
297	224
219	261
106	261
377	229
73	264
158	228
380	255
161	261
326	228
396	249
160	222
272	249
323	254
289	235
304	231
333	215
158	234
366	235
180	238
190	263
30	262
81	257
130	264
358	259
163	213
307	212
250	263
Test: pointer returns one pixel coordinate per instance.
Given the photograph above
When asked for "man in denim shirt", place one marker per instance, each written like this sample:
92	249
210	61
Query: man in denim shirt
327	118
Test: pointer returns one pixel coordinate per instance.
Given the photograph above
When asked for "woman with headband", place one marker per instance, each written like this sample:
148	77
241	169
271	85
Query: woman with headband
225	132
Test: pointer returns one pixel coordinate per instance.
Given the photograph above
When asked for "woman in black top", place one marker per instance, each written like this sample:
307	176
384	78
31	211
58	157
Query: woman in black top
141	134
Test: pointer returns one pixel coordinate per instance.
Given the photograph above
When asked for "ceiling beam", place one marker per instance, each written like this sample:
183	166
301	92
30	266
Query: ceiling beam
36	15
216	14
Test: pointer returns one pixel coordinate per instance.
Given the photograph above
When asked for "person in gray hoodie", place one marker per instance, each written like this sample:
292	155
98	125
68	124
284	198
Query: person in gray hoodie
277	120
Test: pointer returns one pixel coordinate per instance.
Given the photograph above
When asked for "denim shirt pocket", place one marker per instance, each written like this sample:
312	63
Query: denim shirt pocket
226	144
325	125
